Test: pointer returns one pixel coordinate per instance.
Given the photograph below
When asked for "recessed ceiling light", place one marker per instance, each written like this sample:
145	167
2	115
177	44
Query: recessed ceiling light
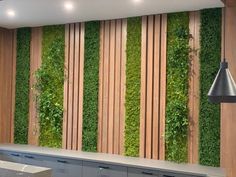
68	5
137	1
11	13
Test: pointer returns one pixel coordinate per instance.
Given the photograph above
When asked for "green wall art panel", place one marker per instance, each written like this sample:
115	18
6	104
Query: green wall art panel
177	87
133	82
50	82
210	55
22	86
91	83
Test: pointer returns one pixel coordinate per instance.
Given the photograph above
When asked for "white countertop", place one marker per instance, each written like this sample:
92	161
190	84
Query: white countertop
118	160
22	168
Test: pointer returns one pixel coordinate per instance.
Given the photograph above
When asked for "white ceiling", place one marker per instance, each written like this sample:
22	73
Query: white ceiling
30	13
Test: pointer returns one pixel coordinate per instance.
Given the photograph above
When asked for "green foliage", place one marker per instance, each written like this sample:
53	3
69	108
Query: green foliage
91	76
22	86
50	80
133	80
209	120
177	87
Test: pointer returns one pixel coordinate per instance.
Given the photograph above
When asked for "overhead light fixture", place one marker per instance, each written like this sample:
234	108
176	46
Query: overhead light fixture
137	1
223	89
68	5
11	13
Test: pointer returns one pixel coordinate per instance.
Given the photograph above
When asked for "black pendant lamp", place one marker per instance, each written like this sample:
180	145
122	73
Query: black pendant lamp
223	89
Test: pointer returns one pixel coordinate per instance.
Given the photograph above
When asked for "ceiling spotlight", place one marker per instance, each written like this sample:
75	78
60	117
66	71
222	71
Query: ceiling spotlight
68	5
137	1
11	13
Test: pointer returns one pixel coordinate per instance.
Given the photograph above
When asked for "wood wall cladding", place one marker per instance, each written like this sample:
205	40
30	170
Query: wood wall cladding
73	86
153	86
112	86
194	27
228	111
7	84
35	63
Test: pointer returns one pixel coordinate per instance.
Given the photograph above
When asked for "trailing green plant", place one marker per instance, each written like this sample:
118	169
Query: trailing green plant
91	77
177	87
50	80
133	81
22	86
209	120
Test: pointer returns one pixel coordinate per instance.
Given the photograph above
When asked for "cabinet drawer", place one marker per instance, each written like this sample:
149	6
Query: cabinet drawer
168	174
92	169
137	172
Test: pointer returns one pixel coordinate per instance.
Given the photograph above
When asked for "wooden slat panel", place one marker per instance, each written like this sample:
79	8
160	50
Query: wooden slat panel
143	89
81	86
7	62
194	27
123	82
156	86
163	86
76	86
111	87
66	71
228	111
117	80
101	78
149	88
35	63
106	87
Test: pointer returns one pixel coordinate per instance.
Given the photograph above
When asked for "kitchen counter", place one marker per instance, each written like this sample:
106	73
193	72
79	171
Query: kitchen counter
190	169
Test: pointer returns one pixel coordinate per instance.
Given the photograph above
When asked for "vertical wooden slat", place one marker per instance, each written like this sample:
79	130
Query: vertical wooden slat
118	53
194	26
106	88
163	86
71	85
143	88
123	82
35	63
81	86
13	86
76	86
66	84
149	88
156	86
111	87
101	78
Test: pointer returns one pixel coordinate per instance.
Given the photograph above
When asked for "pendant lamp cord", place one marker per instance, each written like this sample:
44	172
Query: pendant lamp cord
224	32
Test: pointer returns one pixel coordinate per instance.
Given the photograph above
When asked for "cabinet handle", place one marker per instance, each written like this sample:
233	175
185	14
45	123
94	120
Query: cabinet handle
103	167
62	161
147	173
168	176
29	157
15	155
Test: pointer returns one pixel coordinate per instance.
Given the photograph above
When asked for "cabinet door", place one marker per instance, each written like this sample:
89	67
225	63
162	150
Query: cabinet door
12	157
31	159
170	174
91	169
63	167
136	172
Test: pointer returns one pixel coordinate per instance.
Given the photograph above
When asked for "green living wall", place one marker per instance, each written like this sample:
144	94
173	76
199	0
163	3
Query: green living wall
50	81
91	77
22	86
209	120
177	87
133	81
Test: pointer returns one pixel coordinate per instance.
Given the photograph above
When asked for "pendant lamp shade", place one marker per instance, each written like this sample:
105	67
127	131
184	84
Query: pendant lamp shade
223	89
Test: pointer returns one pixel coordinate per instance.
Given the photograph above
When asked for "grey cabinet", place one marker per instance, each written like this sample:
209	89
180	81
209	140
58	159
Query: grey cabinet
63	167
170	174
137	172
11	156
92	169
